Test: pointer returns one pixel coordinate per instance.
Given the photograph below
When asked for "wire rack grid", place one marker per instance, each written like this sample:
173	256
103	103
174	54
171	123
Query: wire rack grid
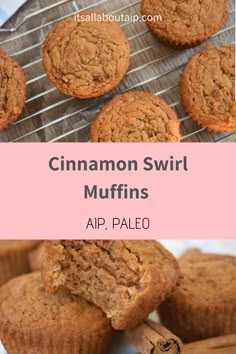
49	116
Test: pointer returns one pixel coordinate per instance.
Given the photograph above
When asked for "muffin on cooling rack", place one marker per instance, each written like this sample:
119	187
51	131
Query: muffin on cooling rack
13	90
86	56
135	116
14	258
204	305
184	24
34	322
208	88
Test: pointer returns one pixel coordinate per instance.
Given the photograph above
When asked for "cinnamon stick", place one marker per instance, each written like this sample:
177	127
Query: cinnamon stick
219	345
152	338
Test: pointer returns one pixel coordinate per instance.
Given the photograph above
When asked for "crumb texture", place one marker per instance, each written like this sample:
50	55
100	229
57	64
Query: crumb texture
13	90
86	58
185	23
136	117
126	279
204	305
207	88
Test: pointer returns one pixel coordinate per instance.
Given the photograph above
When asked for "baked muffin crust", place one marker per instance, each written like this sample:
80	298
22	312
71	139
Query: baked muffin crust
208	88
135	116
86	58
185	23
13	90
204	305
34	322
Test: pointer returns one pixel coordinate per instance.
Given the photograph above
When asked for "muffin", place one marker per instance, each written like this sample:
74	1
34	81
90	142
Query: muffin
204	305
207	88
135	116
36	258
14	258
86	55
13	90
33	322
184	24
126	279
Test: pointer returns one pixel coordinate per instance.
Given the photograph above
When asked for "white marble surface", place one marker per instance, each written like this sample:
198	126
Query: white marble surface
177	247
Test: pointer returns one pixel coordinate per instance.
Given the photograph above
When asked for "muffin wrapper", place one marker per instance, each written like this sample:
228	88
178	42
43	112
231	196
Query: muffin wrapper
27	341
192	323
12	265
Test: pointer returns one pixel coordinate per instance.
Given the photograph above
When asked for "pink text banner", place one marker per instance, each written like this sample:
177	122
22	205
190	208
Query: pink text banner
117	191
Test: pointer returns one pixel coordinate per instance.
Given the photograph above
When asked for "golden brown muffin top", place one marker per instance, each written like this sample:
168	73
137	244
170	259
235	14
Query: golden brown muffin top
86	56
13	90
185	23
207	278
24	303
208	87
136	116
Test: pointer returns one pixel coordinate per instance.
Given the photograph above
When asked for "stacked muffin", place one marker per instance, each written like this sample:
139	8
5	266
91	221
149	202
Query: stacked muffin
88	287
33	322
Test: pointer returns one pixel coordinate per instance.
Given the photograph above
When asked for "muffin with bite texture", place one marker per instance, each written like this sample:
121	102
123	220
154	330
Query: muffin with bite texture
126	279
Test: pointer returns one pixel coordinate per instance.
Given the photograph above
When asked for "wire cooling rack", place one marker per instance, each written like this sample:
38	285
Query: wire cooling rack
49	116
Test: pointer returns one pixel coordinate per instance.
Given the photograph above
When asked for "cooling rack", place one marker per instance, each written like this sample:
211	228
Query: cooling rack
49	116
